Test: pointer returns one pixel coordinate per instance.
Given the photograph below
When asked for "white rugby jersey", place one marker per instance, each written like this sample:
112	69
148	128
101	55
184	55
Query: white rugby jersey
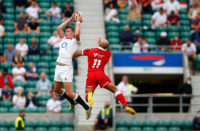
66	50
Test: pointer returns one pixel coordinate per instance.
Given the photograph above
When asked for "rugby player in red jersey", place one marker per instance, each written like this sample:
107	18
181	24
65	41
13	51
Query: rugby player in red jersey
97	60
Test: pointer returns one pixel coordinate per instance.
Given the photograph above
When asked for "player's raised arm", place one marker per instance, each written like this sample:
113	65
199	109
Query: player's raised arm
78	32
63	25
77	54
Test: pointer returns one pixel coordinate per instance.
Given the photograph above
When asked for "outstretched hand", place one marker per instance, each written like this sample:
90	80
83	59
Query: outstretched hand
98	40
72	18
79	18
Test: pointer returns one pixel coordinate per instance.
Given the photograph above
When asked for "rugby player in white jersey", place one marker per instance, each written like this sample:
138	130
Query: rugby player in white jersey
64	68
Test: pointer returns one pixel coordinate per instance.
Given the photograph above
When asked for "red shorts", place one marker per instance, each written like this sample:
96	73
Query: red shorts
97	77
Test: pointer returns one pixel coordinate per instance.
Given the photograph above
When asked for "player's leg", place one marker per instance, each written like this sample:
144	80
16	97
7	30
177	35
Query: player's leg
59	90
77	98
120	97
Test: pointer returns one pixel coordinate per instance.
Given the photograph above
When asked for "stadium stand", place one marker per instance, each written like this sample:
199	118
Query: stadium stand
45	62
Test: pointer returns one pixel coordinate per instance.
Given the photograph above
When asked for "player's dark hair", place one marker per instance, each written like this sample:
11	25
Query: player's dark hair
70	27
21	111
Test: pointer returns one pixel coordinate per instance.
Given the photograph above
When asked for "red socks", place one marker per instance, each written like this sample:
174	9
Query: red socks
120	97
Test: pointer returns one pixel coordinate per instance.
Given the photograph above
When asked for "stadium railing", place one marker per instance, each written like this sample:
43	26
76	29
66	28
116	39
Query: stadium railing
151	104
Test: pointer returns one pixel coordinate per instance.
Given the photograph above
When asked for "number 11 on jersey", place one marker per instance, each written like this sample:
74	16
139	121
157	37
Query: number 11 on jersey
96	63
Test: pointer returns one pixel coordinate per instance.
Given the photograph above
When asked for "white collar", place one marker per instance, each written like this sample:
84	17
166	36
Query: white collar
102	49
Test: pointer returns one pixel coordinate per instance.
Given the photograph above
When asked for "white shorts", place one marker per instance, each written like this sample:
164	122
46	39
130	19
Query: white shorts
63	73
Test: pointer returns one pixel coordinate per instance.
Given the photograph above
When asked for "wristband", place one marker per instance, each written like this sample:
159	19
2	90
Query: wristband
78	22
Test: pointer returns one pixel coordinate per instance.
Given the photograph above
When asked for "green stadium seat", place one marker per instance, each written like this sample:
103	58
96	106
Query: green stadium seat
54	58
197	62
124	22
45	47
9	40
183	16
149	34
161	29
9	11
29	124
41	129
135	129
9	22
185	22
148	124
52	65
173	28
43	64
3	129
54	124
30	110
113	35
54	28
174	129
67	129
3	124
40	123
32	89
122	129
56	23
161	123
6	103
43	97
12	129
123	11
33	34
112	23
185	28
66	124
14	110
21	35
3	109
41	109
146	17
185	35
161	129
121	124
45	23
148	129
19	10
30	84
29	129
8	17
121	29
151	41
183	11
45	34
174	123
122	17
6	65
146	22
135	124
136	23
54	129
9	35
43	41
33	58
46	58
113	41
186	125
112	29
12	124
45	28
19	84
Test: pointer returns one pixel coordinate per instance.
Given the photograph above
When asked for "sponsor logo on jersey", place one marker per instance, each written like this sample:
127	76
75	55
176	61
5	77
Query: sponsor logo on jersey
95	54
64	45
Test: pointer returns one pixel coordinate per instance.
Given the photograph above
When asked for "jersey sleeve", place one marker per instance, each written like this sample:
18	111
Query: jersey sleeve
86	52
